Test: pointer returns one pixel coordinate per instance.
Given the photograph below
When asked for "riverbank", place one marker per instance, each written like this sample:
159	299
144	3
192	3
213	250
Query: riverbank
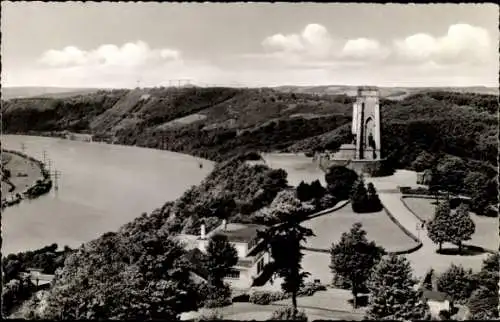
24	177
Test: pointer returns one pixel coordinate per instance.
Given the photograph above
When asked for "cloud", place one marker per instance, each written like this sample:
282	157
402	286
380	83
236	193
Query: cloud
463	43
289	43
315	45
465	55
363	48
313	41
128	55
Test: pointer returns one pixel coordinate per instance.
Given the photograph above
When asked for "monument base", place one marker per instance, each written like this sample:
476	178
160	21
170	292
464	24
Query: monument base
367	168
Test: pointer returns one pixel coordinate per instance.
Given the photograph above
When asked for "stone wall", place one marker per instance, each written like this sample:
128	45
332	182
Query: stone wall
369	168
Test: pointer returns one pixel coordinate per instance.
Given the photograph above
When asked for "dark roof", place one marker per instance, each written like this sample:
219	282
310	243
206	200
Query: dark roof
435	296
239	232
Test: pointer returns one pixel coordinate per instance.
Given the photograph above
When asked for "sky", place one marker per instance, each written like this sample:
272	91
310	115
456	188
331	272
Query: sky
84	44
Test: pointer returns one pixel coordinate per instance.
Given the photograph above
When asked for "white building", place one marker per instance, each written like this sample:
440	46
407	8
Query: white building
437	302
252	252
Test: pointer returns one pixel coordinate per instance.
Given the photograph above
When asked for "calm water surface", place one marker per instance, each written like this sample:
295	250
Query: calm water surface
101	188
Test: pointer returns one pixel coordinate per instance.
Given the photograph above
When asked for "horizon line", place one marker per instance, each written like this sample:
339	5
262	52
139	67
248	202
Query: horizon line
249	86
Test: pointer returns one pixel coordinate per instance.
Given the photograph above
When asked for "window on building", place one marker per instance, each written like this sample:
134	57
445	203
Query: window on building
233	274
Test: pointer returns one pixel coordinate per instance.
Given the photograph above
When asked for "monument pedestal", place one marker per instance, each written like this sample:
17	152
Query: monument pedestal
367	168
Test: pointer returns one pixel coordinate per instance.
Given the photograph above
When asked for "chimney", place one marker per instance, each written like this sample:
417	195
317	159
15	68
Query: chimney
224	224
202	231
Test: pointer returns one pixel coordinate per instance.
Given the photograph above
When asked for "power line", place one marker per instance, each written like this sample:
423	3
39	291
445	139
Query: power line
56	175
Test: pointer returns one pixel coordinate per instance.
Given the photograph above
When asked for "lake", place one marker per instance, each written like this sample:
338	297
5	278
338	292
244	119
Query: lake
101	187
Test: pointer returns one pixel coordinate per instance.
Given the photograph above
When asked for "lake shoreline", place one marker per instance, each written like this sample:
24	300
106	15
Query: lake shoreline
38	187
61	135
98	189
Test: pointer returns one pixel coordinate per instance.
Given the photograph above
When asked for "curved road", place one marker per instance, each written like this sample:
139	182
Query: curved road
425	257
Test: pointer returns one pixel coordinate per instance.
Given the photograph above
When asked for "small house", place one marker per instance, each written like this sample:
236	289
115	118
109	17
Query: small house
252	251
40	280
437	302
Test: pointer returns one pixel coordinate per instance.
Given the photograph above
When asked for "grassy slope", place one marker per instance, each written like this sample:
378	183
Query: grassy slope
19	165
385	92
486	234
227	121
33	91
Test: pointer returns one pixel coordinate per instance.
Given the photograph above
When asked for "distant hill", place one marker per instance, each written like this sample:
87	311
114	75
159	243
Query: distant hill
386	92
219	122
32	91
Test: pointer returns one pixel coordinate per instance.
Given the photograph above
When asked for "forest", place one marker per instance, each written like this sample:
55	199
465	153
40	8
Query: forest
454	133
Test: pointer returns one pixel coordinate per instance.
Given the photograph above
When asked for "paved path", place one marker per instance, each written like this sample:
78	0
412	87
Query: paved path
250	311
425	257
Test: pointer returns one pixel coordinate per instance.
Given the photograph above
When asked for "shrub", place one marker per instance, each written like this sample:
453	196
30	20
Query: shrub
341	282
265	298
304	192
483	304
340	181
317	190
457	282
289	314
327	201
214	315
310	288
374	203
217	296
359	197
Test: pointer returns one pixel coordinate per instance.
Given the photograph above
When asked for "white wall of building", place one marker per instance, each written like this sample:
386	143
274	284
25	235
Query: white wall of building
435	307
242	249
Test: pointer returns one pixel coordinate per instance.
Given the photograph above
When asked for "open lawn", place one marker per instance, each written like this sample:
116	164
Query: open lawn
24	172
249	311
486	234
298	166
379	228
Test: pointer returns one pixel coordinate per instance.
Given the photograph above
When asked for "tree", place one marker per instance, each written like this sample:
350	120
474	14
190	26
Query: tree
353	257
457	283
373	200
461	227
317	190
483	304
489	274
340	181
393	296
359	197
221	257
482	191
428	279
423	161
434	183
304	192
491	263
287	204
451	171
14	293
284	240
144	276
437	227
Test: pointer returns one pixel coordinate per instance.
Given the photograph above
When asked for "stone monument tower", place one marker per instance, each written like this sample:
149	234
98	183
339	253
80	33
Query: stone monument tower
366	124
363	154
